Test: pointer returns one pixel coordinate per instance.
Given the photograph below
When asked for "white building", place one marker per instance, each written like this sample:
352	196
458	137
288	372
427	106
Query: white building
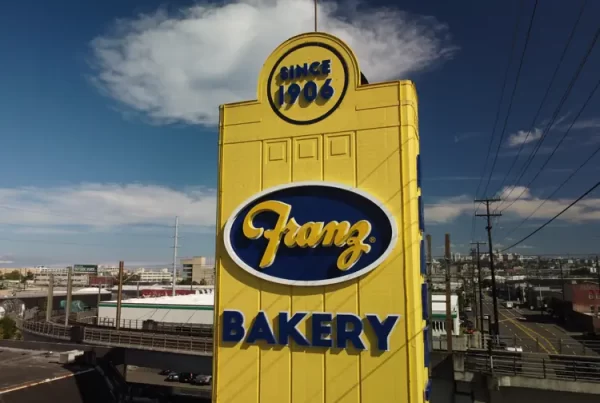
154	276
190	309
438	315
60	277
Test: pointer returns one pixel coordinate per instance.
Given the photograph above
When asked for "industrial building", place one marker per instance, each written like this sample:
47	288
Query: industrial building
193	309
438	315
60	277
198	269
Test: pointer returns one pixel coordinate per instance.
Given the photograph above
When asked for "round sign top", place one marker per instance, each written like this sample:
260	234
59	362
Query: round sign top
307	78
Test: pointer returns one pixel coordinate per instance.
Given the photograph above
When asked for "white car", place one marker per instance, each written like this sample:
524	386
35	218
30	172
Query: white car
468	309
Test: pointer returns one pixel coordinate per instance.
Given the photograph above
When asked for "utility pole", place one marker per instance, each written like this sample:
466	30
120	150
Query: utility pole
429	258
69	294
562	279
479	280
120	294
315	15
50	297
449	321
598	272
474	291
175	254
491	248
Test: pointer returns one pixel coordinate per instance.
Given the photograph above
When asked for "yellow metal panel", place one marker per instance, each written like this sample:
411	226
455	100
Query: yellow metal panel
275	365
379	174
370	142
308	372
240	367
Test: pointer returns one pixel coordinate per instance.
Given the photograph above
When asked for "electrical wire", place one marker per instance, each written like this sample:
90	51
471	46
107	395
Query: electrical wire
554	115
590	190
504	83
566	133
512	96
555	191
545	97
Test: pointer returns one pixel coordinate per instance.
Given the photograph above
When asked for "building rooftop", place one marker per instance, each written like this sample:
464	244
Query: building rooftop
191	299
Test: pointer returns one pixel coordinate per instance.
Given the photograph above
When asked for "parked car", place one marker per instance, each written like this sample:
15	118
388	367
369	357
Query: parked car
172	378
165	372
186	377
201	380
468	309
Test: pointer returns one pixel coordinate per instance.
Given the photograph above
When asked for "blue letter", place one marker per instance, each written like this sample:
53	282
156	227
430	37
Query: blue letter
261	330
344	334
283	73
326	66
233	326
314	68
320	329
287	329
383	329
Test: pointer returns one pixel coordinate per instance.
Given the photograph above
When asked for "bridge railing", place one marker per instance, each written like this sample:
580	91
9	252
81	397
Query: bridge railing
545	345
153	341
584	369
43	328
186	329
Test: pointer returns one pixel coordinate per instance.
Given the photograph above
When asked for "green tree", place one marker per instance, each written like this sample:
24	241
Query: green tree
203	282
8	328
13	275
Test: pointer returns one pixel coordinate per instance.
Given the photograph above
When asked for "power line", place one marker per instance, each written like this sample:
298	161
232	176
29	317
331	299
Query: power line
566	133
590	190
498	109
592	155
545	97
555	114
512	96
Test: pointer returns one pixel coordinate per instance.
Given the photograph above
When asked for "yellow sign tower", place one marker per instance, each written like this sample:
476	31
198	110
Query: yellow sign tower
319	264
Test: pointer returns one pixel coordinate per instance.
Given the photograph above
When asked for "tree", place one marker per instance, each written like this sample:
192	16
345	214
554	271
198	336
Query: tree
8	328
13	275
203	282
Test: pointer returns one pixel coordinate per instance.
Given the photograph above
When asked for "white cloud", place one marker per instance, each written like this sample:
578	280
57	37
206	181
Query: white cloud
524	137
587	124
180	67
449	209
102	206
524	246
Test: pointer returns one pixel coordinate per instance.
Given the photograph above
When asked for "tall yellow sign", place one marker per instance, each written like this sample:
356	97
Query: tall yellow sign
319	236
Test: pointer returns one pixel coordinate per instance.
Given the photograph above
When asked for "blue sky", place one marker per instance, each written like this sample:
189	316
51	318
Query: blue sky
108	112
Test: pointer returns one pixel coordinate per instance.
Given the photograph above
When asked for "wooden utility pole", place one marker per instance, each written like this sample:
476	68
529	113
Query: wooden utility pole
449	321
491	247
479	280
50	301
69	295
119	295
474	291
429	263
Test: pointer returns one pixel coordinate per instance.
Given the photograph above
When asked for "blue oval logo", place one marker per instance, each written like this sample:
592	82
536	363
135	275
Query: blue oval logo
310	234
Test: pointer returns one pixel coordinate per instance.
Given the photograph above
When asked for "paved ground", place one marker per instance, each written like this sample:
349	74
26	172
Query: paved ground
19	367
150	376
536	332
34	376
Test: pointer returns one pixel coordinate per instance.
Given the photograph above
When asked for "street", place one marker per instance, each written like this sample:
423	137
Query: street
536	332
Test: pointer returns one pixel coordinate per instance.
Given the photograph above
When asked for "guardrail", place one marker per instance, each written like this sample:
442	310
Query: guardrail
152	341
49	329
184	329
573	346
545	345
542	367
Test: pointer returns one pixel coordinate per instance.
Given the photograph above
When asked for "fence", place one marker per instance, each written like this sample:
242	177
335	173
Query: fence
184	329
534	366
152	341
49	329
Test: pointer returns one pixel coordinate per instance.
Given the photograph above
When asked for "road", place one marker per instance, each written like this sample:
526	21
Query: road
150	376
535	332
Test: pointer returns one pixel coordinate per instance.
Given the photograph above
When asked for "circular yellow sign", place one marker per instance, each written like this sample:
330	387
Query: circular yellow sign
307	83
